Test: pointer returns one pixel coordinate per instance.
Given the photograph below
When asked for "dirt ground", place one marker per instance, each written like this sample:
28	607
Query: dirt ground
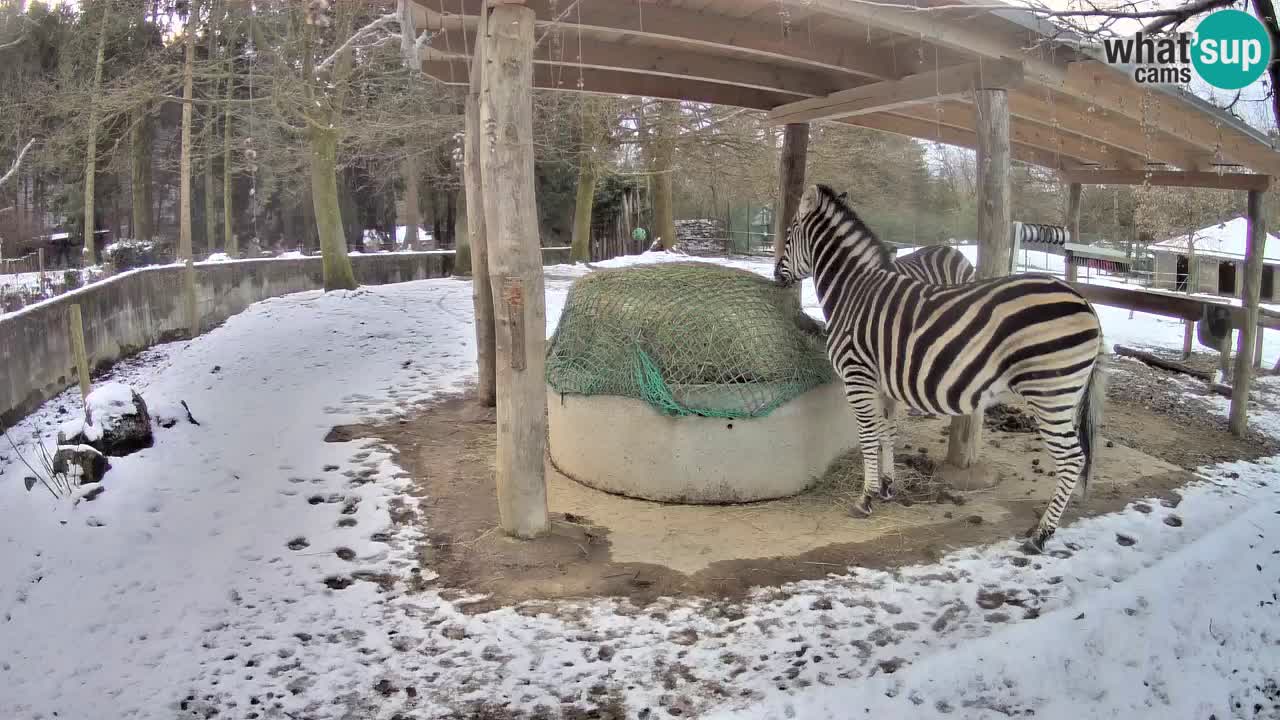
607	545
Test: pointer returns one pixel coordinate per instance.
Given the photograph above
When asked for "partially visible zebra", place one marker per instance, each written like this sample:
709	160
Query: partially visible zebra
947	350
936	265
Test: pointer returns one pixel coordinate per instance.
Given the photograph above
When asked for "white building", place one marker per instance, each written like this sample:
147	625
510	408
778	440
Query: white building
1219	251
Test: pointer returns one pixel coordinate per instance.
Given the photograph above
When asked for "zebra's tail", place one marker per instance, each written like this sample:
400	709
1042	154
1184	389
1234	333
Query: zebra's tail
1088	417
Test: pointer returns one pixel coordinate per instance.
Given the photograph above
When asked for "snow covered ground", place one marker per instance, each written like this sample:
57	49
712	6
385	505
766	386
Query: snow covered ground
236	566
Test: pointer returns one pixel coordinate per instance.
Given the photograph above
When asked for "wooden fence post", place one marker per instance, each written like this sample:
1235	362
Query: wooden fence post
1254	252
515	268
40	262
995	243
1074	192
75	324
791	170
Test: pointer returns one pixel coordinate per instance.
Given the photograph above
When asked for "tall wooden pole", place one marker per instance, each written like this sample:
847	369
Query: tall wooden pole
515	268
75	326
1254	252
995	244
1073	225
791	169
481	292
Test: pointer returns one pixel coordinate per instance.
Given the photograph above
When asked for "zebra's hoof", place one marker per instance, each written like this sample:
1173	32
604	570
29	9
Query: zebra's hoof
888	489
1036	538
862	508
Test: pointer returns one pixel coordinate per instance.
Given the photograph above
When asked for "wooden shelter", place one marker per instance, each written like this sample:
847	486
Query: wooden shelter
1000	81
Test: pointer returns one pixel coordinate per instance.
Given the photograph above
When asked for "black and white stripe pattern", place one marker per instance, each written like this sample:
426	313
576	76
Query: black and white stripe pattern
947	350
936	265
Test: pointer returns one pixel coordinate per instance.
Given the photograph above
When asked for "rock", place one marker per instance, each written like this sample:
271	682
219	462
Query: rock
82	464
118	422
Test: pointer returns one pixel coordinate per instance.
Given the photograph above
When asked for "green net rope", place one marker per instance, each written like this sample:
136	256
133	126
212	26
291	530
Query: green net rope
687	338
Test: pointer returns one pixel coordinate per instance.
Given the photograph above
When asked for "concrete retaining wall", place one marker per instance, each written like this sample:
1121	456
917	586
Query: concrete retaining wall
135	310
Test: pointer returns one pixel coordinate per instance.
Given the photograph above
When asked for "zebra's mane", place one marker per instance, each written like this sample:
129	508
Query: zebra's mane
842	212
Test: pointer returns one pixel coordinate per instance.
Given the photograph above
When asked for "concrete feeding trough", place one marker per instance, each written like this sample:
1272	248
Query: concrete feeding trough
622	445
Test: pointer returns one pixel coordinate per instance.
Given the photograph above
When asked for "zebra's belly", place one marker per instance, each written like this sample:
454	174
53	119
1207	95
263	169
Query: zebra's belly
934	404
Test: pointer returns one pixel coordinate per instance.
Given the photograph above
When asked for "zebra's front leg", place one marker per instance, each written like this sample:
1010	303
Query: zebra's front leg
888	438
868	411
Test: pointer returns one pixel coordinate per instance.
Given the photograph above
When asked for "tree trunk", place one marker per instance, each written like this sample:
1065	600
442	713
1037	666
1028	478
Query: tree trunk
338	274
228	234
664	224
411	220
511	218
462	249
91	147
474	258
139	175
184	157
210	202
581	243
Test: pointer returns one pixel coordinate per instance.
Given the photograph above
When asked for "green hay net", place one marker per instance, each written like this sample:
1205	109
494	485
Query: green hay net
689	339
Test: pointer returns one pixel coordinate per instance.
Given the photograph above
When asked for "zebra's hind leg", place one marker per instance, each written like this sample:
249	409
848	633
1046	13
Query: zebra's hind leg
1056	419
868	411
888	437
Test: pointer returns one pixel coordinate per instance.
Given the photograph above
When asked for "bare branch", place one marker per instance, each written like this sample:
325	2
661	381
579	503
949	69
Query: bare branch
14	42
17	163
1181	14
357	36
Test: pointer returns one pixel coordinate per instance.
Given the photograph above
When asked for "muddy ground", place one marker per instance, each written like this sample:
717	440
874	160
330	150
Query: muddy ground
598	544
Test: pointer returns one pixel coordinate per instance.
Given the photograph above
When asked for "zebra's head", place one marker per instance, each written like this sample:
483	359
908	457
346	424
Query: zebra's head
826	227
796	261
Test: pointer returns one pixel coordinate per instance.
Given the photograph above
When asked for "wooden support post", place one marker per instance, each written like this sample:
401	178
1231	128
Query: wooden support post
481	291
995	243
40	264
515	268
1254	253
1188	334
1257	349
791	169
1073	225
1224	358
75	324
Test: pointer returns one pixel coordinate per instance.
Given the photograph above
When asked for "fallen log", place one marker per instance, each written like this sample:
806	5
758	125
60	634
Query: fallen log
1164	364
1174	366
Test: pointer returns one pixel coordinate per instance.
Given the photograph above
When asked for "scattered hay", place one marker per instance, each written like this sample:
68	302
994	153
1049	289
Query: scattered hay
916	474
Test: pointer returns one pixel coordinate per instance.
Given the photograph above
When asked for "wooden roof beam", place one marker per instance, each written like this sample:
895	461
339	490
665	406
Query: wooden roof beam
1216	181
616	82
965	138
694	28
947	83
1107	88
1120	131
947	29
675	63
961	115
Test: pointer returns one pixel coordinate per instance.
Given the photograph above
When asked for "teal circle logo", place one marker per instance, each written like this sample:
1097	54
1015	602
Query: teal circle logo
1232	49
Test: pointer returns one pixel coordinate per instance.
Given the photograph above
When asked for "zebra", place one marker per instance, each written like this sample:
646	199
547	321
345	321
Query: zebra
947	350
936	265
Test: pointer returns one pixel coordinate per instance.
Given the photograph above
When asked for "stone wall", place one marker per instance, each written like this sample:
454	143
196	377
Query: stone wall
135	310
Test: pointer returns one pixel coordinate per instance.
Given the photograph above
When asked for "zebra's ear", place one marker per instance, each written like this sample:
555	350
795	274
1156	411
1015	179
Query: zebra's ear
808	201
